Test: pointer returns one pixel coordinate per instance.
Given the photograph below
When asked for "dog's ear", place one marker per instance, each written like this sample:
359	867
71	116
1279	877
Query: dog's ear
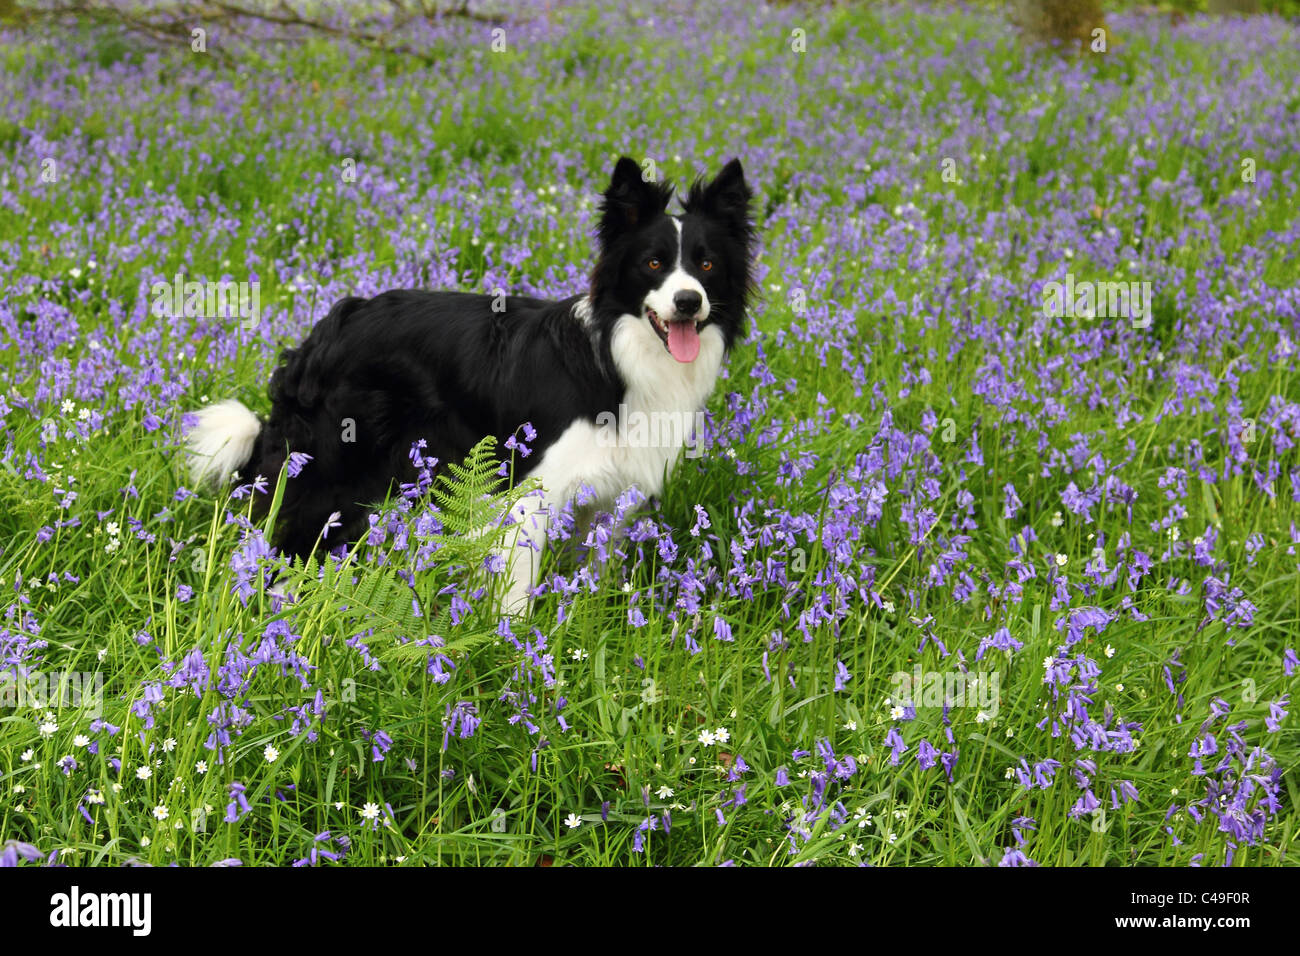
630	200
726	196
725	200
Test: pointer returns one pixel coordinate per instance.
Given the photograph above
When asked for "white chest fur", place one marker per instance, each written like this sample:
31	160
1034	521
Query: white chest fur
639	442
635	444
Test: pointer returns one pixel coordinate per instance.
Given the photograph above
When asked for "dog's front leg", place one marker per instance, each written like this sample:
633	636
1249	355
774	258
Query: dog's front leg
524	542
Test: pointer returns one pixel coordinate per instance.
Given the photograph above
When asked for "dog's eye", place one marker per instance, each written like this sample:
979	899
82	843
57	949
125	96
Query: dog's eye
707	265
654	264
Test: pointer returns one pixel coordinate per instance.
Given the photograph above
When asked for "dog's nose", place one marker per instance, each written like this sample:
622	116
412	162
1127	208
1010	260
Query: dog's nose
687	302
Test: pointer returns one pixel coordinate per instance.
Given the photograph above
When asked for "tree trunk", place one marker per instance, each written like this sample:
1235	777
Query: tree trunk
1063	22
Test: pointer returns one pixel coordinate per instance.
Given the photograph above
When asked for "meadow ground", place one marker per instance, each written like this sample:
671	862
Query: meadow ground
1075	534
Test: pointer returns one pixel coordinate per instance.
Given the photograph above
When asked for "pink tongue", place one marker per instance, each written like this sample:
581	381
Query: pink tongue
683	341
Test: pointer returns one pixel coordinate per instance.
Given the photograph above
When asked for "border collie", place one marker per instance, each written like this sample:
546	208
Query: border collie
667	300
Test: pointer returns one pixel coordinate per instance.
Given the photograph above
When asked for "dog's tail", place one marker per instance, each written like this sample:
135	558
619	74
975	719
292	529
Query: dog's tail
222	442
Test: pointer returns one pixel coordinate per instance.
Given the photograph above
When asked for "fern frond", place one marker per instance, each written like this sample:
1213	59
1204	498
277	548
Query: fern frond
466	492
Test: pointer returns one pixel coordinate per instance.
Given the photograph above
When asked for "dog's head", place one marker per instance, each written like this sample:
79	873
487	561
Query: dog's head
677	273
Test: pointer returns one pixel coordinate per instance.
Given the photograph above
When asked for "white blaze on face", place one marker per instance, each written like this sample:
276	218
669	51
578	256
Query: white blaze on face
683	337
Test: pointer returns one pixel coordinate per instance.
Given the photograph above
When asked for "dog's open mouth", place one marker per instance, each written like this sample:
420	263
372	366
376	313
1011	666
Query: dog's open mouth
681	339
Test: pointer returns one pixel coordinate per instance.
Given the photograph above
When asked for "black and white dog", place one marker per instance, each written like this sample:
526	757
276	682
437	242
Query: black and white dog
668	299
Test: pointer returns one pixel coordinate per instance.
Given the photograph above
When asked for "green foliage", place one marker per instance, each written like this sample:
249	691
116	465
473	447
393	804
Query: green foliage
469	493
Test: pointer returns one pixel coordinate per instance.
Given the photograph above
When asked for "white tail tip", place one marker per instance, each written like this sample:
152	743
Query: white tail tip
222	441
